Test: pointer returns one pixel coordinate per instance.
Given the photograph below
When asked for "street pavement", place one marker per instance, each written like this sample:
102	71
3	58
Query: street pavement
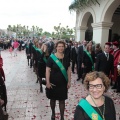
25	102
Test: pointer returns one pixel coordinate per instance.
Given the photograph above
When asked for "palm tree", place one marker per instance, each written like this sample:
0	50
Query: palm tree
80	4
9	29
33	29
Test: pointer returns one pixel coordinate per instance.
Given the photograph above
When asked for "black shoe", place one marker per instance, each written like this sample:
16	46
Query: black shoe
53	117
41	89
62	118
73	72
118	91
114	87
78	79
37	80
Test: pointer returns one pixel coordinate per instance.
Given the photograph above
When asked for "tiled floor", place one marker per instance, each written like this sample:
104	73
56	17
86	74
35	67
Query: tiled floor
25	102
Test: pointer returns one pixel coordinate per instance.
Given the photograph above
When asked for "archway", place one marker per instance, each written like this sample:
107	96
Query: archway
115	30
109	10
111	13
89	31
86	30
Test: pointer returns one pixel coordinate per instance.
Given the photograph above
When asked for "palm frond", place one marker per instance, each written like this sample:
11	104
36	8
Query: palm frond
80	4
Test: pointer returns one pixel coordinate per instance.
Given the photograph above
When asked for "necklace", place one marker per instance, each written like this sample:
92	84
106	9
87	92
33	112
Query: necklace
99	108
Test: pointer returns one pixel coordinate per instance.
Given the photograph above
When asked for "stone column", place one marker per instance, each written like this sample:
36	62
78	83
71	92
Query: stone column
80	33
101	32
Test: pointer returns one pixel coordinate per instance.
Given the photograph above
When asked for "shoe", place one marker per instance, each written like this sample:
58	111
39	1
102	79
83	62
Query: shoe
62	118
5	113
37	80
118	91
113	87
78	79
41	89
53	117
73	72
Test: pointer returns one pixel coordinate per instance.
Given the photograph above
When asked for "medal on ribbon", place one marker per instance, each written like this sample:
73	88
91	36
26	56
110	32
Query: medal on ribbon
94	116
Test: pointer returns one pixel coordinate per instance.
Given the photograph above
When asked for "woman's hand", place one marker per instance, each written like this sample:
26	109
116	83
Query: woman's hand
48	85
45	48
1	102
69	85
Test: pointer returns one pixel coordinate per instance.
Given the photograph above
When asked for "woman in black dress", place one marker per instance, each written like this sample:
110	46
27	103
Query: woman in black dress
3	92
41	63
1	111
28	52
96	106
57	83
88	60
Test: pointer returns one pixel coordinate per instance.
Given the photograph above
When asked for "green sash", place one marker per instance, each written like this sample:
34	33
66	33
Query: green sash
34	46
27	46
60	65
44	58
89	55
91	112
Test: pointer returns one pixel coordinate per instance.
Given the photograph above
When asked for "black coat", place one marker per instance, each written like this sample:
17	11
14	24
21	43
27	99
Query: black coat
50	46
73	54
104	65
67	52
80	53
30	47
28	52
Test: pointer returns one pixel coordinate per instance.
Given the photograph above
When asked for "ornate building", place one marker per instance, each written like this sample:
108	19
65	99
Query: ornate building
100	21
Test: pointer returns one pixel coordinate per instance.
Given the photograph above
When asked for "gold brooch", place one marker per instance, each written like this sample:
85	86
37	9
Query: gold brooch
94	116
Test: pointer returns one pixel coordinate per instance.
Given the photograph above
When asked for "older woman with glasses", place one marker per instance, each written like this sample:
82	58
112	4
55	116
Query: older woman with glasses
96	106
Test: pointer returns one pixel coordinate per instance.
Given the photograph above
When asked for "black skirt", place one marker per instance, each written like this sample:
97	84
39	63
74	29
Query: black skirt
41	69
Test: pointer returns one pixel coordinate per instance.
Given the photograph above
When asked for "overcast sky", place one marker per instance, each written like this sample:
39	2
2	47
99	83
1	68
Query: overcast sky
43	13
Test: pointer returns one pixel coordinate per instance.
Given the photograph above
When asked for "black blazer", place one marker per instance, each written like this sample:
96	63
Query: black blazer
80	53
73	54
103	65
50	47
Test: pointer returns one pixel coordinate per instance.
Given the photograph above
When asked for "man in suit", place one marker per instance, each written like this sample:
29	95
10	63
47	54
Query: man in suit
20	42
105	61
79	58
50	46
74	53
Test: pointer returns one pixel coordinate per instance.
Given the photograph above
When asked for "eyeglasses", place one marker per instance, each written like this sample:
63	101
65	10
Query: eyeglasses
98	86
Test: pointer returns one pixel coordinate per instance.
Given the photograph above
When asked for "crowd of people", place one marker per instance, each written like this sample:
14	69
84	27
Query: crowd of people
97	68
56	56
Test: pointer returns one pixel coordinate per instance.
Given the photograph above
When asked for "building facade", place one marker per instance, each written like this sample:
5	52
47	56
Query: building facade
100	19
